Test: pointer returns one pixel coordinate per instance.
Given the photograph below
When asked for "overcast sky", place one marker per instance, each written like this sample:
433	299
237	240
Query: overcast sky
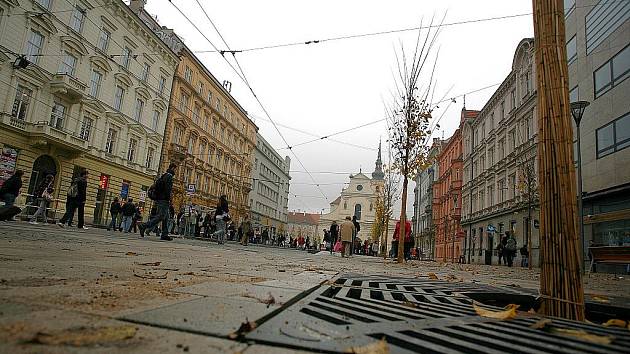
336	85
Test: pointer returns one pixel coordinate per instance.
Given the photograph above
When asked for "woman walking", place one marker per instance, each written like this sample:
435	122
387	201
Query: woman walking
222	216
43	195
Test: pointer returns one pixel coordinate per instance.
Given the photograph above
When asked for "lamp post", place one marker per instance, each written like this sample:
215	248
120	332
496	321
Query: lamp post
577	110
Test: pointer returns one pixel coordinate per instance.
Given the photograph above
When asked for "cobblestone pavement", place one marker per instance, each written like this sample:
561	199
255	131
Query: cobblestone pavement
71	291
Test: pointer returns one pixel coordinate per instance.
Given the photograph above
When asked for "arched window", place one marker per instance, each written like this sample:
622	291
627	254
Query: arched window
357	211
345	205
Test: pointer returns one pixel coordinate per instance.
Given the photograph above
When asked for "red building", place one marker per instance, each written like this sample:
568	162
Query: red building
447	196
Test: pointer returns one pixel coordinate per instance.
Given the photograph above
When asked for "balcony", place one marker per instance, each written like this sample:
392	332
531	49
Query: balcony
177	152
43	134
67	87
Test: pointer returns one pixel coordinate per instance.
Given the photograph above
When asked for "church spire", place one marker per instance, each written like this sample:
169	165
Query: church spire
378	168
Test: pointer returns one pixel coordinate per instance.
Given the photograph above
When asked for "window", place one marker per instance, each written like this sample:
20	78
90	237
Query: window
145	72
209	96
502	110
205	123
602	19
112	137
86	128
131	151
119	97
67	65
574	94
103	40
149	161
200	88
612	73
569	5
614	136
183	103
57	116
77	19
202	149
210	155
571	50
20	104
161	85
126	57
513	185
155	121
218	107
34	46
95	83
501	189
44	3
177	134
191	145
513	99
357	211
188	74
138	111
196	114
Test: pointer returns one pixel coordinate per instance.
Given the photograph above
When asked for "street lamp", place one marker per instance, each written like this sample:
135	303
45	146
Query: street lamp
577	110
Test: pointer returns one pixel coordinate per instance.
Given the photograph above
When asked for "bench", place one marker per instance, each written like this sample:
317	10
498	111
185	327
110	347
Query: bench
609	254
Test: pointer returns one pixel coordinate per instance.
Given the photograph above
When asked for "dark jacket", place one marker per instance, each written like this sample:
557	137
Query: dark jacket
81	189
222	209
12	185
165	187
115	208
334	230
129	209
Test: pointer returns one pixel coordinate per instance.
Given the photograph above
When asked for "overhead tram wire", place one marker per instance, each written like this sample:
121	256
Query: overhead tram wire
251	90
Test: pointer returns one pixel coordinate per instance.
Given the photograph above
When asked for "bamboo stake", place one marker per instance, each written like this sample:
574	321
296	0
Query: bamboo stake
560	281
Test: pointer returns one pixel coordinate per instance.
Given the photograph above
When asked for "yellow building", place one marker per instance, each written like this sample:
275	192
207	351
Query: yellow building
93	96
210	137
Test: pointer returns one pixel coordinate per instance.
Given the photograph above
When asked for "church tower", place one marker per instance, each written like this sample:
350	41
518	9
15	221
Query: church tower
378	169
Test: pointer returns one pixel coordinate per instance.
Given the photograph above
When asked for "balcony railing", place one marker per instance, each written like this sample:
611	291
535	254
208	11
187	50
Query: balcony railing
68	87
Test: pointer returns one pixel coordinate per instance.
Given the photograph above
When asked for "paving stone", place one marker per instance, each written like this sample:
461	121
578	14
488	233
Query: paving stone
210	315
246	292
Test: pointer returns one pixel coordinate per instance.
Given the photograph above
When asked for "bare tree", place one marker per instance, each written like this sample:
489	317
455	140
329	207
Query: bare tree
409	116
528	186
387	197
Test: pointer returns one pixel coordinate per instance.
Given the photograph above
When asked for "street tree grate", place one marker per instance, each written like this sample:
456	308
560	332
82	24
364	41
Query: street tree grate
420	315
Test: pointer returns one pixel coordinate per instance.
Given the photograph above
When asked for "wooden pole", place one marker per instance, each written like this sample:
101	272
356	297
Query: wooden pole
561	285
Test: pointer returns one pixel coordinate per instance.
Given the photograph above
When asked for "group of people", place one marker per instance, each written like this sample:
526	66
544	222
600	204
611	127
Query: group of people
408	242
507	249
341	237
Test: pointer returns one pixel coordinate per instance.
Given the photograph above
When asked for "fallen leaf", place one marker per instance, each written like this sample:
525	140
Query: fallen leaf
131	254
541	323
600	298
153	264
583	335
532	311
450	277
151	276
432	276
245	327
379	347
509	312
83	336
615	323
409	304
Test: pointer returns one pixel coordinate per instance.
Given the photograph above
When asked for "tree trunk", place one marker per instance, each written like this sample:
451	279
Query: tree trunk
561	285
385	237
403	221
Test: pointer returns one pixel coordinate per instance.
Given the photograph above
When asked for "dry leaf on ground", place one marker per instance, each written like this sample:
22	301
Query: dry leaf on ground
432	276
379	347
615	323
583	335
600	298
509	312
450	277
153	264
245	327
541	323
82	336
131	254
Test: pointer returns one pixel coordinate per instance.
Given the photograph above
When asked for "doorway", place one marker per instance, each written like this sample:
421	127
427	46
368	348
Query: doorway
42	166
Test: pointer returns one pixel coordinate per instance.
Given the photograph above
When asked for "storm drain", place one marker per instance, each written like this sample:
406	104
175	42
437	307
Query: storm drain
420	315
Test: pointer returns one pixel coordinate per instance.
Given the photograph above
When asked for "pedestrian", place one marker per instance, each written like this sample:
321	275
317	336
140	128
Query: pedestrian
334	234
152	214
222	216
510	248
181	221
115	210
396	238
128	212
76	201
346	232
198	221
8	192
206	225
375	249
161	192
43	195
137	217
500	251
524	256
357	228
191	220
504	252
246	229
171	218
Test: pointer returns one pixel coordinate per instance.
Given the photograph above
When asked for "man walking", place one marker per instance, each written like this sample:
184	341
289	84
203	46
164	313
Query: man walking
43	195
114	209
334	234
346	231
510	248
128	212
357	228
8	192
76	201
222	216
162	191
246	229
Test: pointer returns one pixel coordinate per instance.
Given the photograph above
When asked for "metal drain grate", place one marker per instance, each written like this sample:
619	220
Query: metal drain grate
418	315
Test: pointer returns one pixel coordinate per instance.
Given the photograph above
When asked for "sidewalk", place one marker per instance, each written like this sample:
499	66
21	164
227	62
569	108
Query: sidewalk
120	293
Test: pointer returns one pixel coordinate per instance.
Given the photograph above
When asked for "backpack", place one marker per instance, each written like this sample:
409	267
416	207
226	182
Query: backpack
156	188
511	244
74	190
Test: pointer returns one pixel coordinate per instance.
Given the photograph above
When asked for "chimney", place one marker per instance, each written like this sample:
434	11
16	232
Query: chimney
137	5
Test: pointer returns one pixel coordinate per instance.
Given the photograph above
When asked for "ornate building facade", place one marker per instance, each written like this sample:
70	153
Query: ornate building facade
83	85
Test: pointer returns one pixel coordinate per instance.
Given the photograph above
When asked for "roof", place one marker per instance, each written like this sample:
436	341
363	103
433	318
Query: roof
336	201
303	218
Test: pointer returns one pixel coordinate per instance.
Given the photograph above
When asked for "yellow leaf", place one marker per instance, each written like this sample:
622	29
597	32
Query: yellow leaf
379	347
509	312
583	335
600	298
432	276
615	323
541	323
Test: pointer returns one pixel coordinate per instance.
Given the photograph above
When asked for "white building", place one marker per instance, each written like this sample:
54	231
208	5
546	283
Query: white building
269	197
84	84
497	147
598	51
